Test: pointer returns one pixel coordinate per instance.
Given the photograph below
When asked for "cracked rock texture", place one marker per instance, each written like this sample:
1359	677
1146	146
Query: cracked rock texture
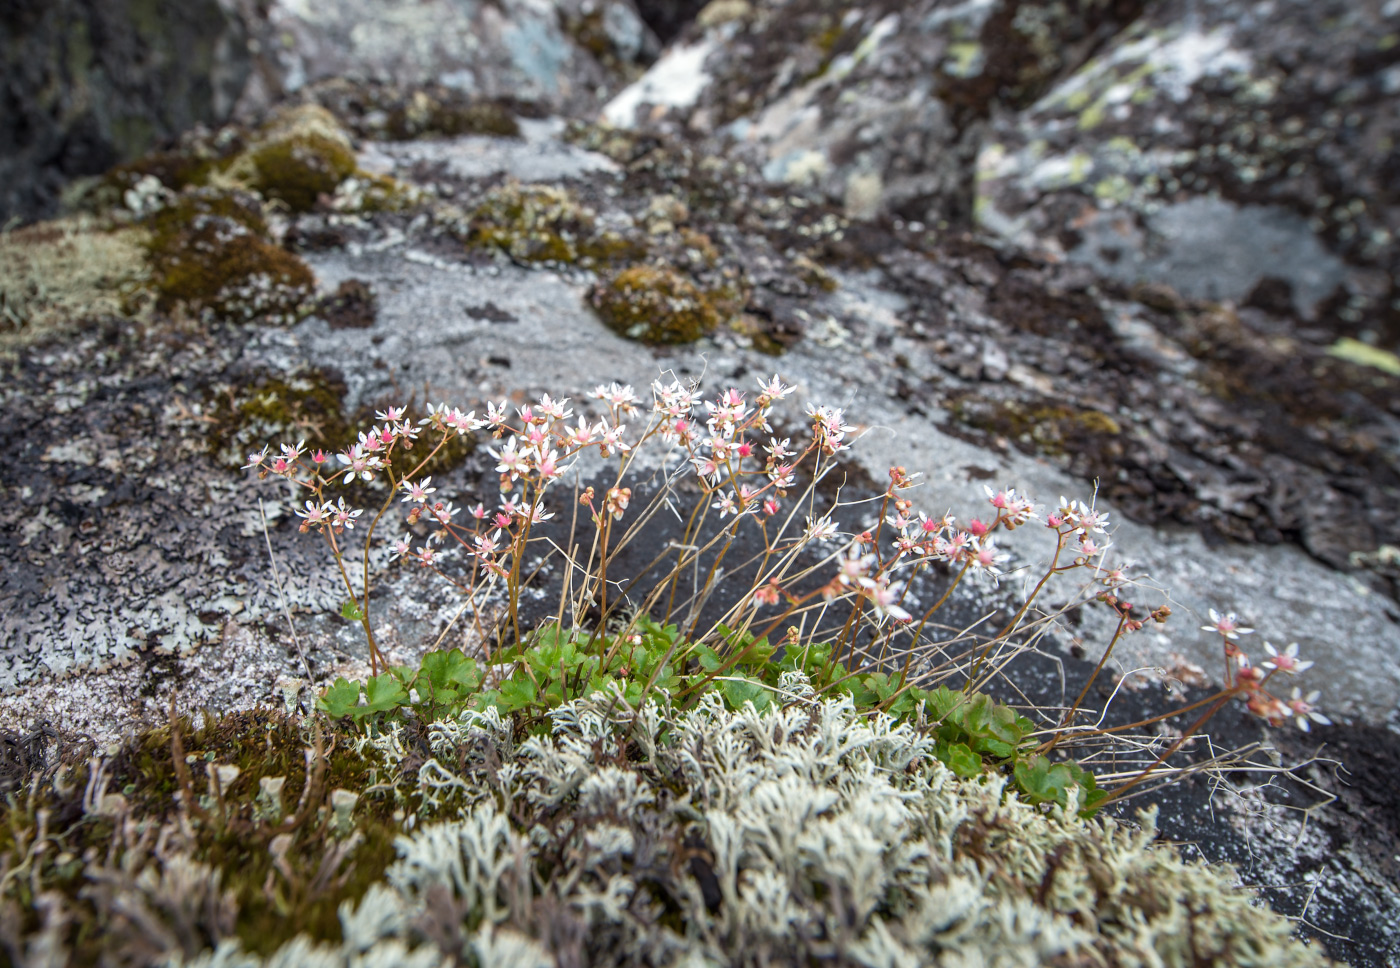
992	230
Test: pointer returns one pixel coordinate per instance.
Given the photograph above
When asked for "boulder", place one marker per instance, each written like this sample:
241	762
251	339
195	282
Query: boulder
556	54
86	84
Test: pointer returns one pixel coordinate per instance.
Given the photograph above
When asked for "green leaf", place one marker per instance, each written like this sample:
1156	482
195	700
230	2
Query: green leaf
958	758
709	659
350	611
944	704
448	675
339	699
518	693
382	692
862	691
738	691
1042	782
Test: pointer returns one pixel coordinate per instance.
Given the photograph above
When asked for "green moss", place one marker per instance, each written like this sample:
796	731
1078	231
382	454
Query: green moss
540	223
1045	428
173	169
366	193
208	251
654	305
306	406
424	115
270	866
300	168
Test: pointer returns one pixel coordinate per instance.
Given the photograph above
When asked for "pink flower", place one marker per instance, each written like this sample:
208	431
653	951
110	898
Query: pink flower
1226	625
774	389
1286	661
1302	709
988	559
315	515
854	566
819	530
554	408
767	594
512	461
359	463
885	598
344	516
549	465
623	398
417	492
725	505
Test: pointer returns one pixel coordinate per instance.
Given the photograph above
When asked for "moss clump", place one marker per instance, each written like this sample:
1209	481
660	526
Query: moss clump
654	305
173	169
208	251
300	169
540	223
426	115
309	405
240	841
1047	428
364	194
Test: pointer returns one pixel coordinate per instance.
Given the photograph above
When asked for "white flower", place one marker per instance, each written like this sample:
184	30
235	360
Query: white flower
820	529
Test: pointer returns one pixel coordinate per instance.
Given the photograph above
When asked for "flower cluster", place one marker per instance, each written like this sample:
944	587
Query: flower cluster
1250	681
744	470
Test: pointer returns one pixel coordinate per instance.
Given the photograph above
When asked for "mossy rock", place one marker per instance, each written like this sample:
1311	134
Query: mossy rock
308	405
300	169
175	170
365	193
208	251
541	223
654	305
242	840
1045	428
424	115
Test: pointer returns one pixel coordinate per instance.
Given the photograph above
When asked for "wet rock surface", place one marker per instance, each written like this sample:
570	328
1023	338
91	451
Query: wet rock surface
912	211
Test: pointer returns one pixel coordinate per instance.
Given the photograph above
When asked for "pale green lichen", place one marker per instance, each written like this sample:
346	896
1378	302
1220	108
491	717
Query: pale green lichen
654	836
55	273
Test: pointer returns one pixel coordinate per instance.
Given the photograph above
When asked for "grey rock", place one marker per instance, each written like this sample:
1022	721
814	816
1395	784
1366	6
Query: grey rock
518	49
1209	141
87	84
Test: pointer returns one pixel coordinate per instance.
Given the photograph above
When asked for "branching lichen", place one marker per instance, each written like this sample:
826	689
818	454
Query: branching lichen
617	836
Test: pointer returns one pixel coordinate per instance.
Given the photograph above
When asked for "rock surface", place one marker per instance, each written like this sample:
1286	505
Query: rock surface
558	53
869	214
1223	148
85	84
